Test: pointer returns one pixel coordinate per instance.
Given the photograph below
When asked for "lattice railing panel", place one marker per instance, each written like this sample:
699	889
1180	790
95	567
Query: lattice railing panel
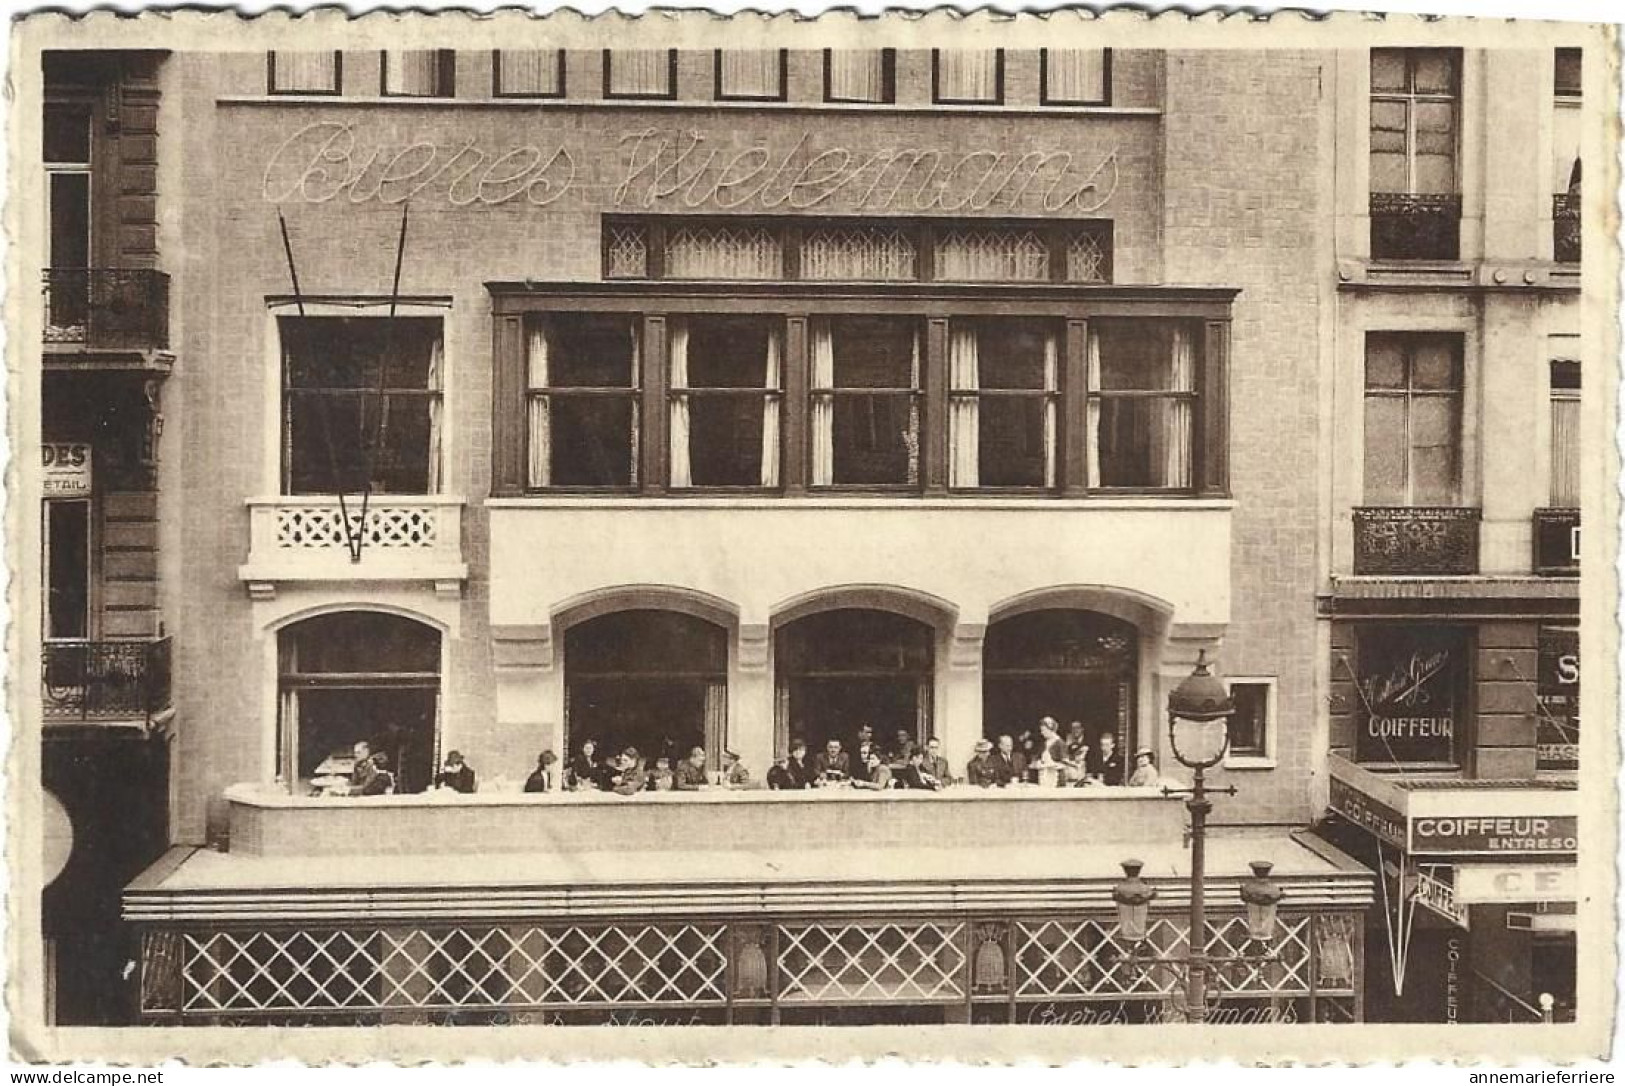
1088	257
461	967
843	963
626	252
724	252
858	252
322	527
993	255
1287	973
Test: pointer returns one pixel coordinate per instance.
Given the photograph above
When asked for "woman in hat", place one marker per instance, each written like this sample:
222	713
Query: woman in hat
1145	770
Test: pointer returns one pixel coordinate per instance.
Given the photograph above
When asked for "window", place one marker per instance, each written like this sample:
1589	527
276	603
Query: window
751	75
829	250
1075	77
1079	667
584	376
1004	397
967	76
1565	395
640	73
836	670
1142	395
68	195
726	378
67	569
1415	209
1252	737
1413	386
361	404
527	73
860	75
419	73
1566	115
304	72
865	401
1411	701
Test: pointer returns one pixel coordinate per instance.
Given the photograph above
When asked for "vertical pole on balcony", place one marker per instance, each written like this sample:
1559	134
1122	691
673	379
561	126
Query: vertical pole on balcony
358	539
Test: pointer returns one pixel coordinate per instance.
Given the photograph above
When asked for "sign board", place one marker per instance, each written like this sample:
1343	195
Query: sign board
1557	688
1374	817
1411	687
1557	542
67	469
1439	897
1502	884
1483	835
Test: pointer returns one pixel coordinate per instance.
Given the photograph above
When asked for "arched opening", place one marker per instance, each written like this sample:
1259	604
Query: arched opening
351	677
838	670
1073	665
654	680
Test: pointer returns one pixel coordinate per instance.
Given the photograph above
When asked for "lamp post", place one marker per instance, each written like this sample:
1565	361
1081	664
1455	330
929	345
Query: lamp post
1199	711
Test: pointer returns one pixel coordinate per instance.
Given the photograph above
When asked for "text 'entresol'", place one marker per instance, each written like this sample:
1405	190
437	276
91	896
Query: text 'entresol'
331	160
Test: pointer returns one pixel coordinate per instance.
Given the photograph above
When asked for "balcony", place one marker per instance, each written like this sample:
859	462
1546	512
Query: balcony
304	539
106	309
1566	227
1415	226
1416	541
105	682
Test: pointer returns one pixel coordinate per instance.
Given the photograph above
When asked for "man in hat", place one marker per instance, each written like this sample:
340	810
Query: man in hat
382	781
457	774
735	775
980	771
801	771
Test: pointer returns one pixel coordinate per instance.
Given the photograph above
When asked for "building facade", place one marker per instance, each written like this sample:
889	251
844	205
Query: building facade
727	398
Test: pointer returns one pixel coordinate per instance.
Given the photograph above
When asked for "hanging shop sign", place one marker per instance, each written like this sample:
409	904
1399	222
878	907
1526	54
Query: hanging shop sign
1371	815
1438	896
1505	884
1410	694
67	469
1557	542
1557	724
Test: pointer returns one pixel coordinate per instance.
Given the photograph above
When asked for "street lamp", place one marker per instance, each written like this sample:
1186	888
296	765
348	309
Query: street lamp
1199	711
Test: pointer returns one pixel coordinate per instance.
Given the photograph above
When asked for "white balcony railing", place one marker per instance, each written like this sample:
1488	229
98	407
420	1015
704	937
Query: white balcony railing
401	538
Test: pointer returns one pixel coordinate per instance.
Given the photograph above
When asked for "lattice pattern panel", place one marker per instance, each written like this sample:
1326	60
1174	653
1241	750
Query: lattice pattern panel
462	967
858	252
849	963
724	252
1085	958
626	252
993	255
405	527
1088	258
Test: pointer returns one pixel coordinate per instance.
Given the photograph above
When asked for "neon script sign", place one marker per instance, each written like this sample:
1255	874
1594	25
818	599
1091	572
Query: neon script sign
331	161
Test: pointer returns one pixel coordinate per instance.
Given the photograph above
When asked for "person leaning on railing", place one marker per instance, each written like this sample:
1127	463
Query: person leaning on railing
543	779
690	776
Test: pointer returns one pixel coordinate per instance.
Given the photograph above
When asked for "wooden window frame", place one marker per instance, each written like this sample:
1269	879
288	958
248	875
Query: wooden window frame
1411	97
445	76
936	83
637	393
888	81
1206	419
560	71
1409	393
669	95
784	81
1265	758
338	77
765	395
1058	397
1044	97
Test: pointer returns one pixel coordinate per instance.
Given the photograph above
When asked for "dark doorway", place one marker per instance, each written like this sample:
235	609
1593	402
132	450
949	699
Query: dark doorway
838	670
1068	664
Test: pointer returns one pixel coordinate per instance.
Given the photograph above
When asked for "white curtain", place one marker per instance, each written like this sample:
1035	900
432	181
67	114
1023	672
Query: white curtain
772	380
1093	451
315	72
633	380
857	75
639	71
1565	145
716	719
681	472
536	380
912	438
437	390
412	71
1566	451
750	73
967	75
1075	75
1052	383
1176	428
822	348
529	71
964	427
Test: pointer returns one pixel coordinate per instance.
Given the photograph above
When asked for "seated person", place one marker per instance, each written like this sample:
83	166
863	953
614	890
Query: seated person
660	778
1145	770
834	766
980	771
363	768
801	771
1009	766
690	775
1077	745
382	781
543	779
935	764
627	777
457	774
780	779
866	734
915	776
902	746
1105	763
735	775
584	772
875	774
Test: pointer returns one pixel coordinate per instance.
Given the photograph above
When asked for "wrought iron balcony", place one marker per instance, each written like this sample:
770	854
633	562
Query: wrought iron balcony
1415	226
1416	540
1566	227
103	681
120	309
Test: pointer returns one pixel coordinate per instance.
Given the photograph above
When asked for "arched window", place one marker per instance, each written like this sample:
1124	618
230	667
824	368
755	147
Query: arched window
1068	664
358	676
654	680
840	669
